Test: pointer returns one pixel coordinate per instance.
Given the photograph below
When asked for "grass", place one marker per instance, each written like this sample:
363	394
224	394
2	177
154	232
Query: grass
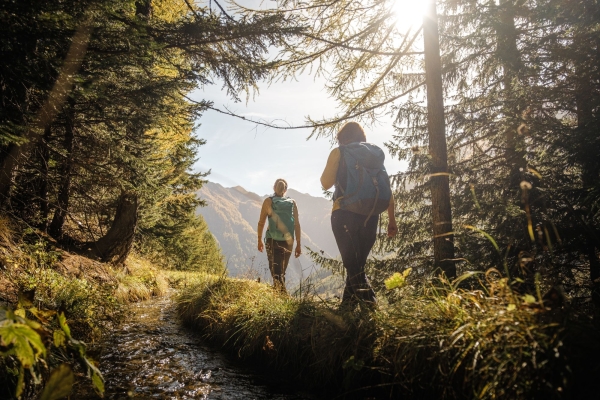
256	322
431	342
434	342
140	281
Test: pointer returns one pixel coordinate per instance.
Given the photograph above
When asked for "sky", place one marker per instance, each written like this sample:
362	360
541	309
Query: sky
242	153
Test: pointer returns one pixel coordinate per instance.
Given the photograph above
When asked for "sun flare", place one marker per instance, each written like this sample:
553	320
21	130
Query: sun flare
409	12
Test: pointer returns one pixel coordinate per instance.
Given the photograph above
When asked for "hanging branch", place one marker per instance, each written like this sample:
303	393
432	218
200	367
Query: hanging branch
313	125
187	2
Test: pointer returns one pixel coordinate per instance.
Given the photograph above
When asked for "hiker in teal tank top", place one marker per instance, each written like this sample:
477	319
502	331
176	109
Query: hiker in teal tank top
284	225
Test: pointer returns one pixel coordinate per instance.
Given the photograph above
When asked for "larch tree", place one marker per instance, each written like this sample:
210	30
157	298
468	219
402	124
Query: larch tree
373	65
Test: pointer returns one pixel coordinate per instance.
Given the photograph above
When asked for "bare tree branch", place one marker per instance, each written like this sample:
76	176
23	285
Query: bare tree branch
223	11
313	125
192	9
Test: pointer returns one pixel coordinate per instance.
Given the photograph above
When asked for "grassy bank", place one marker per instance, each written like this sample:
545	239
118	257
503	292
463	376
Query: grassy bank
91	294
430	343
50	302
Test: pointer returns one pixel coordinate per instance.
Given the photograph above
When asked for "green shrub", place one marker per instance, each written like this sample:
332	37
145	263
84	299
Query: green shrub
36	346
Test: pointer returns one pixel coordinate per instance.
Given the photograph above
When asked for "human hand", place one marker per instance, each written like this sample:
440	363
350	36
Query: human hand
261	245
298	250
392	229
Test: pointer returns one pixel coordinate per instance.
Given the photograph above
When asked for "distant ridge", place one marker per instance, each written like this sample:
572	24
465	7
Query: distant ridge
250	195
232	216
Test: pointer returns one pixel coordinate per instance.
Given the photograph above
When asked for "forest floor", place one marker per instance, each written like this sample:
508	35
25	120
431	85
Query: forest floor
127	318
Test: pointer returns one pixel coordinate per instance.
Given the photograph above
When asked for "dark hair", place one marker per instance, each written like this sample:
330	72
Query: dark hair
350	133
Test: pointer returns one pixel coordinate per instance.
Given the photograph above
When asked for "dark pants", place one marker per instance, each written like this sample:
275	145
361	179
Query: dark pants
355	240
278	253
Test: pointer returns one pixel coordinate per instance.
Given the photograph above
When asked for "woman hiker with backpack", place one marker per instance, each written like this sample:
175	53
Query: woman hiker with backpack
362	192
279	238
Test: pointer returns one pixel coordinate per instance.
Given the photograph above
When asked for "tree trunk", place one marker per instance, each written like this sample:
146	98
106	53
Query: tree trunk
143	8
510	58
592	256
64	193
10	159
514	155
443	240
44	156
16	104
115	245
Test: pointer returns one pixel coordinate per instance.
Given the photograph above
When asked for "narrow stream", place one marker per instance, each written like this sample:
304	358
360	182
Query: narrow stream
151	356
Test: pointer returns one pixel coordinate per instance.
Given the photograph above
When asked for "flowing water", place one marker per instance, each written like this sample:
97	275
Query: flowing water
151	356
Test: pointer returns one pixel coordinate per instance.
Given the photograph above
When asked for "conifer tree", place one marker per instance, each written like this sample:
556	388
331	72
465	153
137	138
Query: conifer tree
102	167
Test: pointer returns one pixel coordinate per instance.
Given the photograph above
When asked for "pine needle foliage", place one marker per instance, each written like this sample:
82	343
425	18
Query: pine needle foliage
115	151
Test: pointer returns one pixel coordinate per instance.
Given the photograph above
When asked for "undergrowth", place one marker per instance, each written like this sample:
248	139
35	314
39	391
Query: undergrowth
51	302
433	342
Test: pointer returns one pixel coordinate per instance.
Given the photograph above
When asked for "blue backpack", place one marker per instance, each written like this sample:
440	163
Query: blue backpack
281	221
362	183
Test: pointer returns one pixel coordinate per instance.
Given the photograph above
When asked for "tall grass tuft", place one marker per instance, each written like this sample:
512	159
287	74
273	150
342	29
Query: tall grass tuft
472	344
140	280
434	342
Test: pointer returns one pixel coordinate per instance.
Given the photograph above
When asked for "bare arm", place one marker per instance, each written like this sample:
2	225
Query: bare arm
330	173
392	226
297	231
265	211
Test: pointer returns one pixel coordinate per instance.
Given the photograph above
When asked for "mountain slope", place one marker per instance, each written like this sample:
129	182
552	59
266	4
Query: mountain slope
232	216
